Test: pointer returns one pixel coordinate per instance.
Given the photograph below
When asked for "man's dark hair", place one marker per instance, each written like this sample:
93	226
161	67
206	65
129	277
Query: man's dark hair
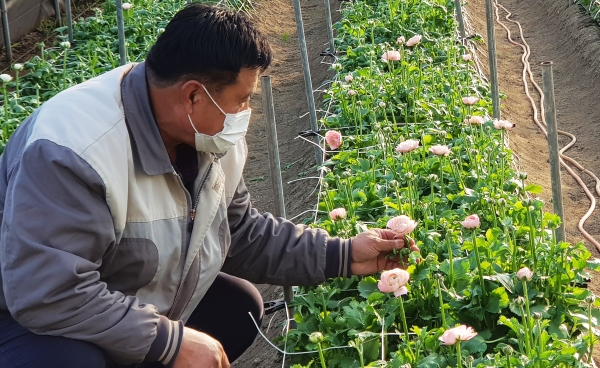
209	44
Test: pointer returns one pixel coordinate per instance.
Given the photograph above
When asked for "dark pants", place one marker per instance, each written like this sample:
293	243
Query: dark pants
222	313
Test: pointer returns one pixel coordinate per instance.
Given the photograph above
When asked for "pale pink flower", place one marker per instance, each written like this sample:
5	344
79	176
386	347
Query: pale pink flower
440	150
393	280
337	214
471	222
475	120
382	104
127	6
349	78
470	100
333	139
402	291
351	92
414	40
401	40
407	146
524	274
499	124
390	56
467	57
401	225
457	334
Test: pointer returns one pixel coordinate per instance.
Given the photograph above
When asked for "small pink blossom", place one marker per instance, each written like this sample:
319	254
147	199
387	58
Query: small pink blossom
440	150
351	92
393	280
402	291
524	274
475	120
337	214
471	222
349	78
401	40
333	139
407	146
390	56
467	57
499	124
127	6
414	40
470	100
457	334
401	225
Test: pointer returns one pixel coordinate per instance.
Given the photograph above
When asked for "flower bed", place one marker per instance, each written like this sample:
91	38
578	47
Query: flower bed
416	141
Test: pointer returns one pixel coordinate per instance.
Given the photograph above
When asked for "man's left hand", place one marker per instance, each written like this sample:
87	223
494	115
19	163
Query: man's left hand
372	250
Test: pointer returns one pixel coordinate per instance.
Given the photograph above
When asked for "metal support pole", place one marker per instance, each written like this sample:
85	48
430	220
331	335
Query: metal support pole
550	115
329	27
57	10
276	181
491	33
307	80
121	30
69	20
459	19
6	31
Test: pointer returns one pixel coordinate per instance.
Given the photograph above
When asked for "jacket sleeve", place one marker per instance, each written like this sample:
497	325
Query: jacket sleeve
55	230
273	250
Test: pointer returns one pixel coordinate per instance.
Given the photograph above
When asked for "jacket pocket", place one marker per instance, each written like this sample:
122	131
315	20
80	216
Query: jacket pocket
131	265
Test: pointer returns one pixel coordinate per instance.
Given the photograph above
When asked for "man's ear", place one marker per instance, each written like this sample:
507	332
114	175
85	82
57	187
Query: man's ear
191	94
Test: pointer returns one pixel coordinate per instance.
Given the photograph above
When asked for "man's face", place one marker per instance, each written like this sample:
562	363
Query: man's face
207	117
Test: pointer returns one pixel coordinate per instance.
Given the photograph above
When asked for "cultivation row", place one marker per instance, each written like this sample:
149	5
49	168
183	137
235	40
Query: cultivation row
592	7
412	148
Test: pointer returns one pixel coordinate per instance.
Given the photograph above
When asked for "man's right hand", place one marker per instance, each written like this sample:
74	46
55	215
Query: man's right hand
199	350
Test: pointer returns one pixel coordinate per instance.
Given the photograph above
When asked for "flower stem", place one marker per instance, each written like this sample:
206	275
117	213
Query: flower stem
451	260
479	269
403	315
526	294
591	326
531	237
5	101
526	326
458	355
323	365
442	304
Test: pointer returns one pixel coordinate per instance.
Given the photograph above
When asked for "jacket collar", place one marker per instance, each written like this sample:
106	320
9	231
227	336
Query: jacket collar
142	125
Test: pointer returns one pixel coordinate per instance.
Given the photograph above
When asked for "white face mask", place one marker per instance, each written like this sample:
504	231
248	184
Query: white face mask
234	129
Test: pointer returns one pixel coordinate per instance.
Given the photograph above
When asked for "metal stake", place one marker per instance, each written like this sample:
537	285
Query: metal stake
121	30
459	19
57	10
491	33
550	115
276	181
69	20
330	27
307	80
6	31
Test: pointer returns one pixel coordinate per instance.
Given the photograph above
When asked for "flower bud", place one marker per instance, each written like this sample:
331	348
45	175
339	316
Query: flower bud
65	45
520	301
5	78
536	315
316	337
393	183
432	177
17	66
590	299
432	258
522	175
437	275
470	359
507	349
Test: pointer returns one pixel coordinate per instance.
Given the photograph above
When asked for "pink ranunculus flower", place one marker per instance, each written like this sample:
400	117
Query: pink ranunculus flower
471	222
351	92
467	57
393	280
470	100
401	40
402	291
475	120
127	6
333	139
390	56
500	124
440	150
337	213
414	40
349	78
524	274
457	334
407	146
401	225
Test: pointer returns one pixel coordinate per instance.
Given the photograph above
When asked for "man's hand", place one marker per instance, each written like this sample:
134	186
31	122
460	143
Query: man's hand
369	251
198	350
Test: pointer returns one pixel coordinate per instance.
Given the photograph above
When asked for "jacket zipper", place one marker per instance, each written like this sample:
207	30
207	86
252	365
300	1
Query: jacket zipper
190	226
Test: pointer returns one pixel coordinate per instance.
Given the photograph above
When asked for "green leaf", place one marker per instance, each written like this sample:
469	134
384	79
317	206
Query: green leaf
505	279
534	188
432	361
366	286
475	345
498	300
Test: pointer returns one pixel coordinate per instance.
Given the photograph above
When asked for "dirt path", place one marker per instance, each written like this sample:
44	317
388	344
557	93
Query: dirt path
564	34
276	20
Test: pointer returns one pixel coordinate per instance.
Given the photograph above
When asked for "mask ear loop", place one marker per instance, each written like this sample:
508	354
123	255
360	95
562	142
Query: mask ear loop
189	117
209	96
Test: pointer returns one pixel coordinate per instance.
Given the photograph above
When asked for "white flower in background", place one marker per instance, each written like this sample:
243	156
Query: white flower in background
382	104
65	45
5	78
127	6
18	67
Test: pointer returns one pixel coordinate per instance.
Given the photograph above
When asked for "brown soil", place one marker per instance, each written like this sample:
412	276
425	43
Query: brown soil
297	157
562	33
